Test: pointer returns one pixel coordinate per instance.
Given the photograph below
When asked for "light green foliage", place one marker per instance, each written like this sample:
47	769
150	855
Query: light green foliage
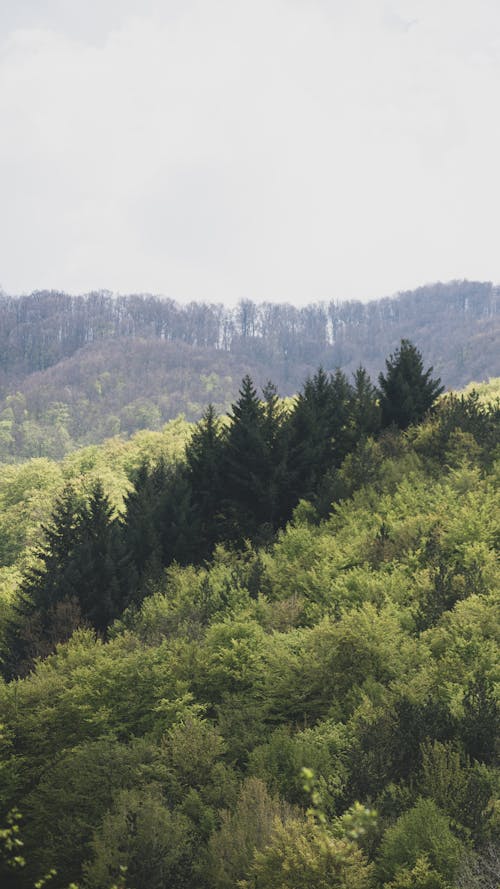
193	747
29	488
229	671
363	647
192	597
489	392
325	670
390	530
424	830
356	822
443	777
10	578
231	660
29	491
27	494
249	827
302	855
88	689
11	844
420	876
465	791
323	749
465	637
73	795
143	835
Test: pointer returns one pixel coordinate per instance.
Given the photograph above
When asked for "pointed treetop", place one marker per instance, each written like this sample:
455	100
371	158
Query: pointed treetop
248	404
407	392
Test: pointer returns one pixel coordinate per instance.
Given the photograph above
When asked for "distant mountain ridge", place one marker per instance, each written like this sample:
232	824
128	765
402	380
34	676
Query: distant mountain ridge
76	369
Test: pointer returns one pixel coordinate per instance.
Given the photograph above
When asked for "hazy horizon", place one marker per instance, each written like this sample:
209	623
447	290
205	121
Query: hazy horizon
286	151
230	304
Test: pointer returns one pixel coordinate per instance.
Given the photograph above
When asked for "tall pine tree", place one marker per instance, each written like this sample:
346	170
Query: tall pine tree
203	461
407	392
248	465
276	439
319	432
160	525
364	409
340	415
79	578
47	609
141	529
178	521
102	562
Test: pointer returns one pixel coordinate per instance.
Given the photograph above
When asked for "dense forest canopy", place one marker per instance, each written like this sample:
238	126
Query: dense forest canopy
75	370
261	652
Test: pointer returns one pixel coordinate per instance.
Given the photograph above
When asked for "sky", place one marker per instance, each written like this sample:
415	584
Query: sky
283	150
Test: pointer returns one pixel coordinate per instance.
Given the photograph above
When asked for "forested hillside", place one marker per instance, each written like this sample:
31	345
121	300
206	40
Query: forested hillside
261	652
76	370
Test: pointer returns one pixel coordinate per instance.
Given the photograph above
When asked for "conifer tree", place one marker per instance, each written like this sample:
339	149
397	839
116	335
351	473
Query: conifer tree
276	439
80	578
407	392
56	576
340	413
101	561
160	525
318	432
203	460
481	720
364	408
247	464
178	522
53	581
244	456
141	528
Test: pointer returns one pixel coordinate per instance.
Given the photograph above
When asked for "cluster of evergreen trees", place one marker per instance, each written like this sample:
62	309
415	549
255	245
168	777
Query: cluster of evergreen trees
320	711
240	481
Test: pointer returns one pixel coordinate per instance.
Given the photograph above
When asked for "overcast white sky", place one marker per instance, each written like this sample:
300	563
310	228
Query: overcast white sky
267	149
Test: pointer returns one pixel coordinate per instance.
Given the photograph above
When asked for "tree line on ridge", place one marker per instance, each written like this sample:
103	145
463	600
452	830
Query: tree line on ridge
240	481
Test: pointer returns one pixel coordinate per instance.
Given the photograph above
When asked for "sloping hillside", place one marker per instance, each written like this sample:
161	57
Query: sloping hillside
321	711
75	370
